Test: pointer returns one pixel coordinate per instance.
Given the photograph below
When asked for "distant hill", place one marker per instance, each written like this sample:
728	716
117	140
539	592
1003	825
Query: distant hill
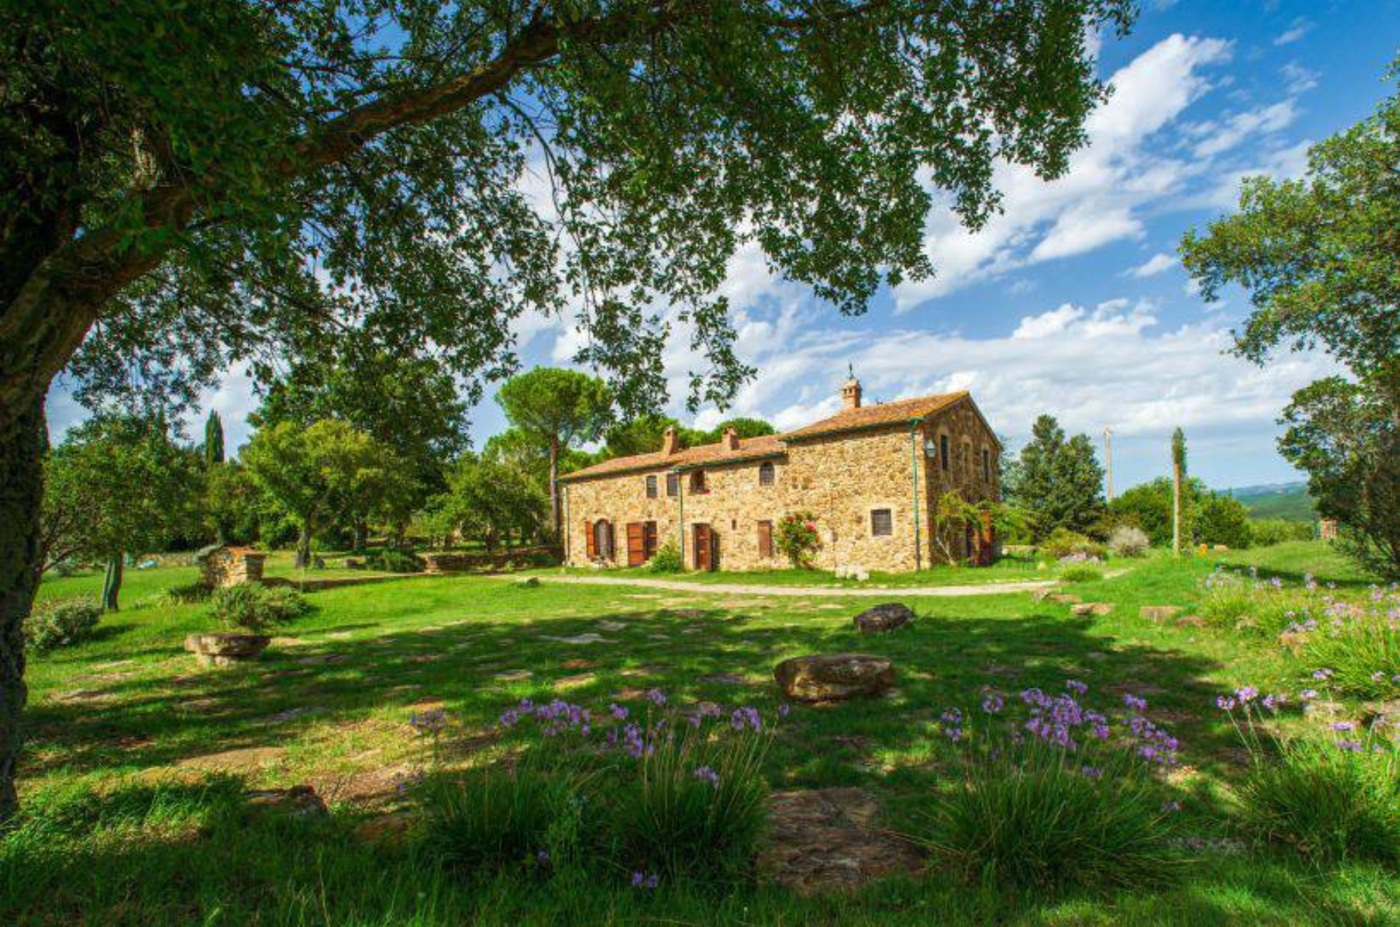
1289	501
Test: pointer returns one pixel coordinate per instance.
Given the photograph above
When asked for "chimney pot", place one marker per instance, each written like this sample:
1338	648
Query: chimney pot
850	394
731	438
671	442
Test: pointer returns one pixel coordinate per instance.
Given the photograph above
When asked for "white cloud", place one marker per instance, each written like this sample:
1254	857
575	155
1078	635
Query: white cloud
1299	28
1235	129
1158	263
1300	79
1096	202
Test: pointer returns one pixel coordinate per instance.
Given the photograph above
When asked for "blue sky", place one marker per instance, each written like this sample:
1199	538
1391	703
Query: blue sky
1072	301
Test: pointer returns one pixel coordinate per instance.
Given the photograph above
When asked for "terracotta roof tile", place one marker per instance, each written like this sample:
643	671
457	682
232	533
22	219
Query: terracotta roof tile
887	413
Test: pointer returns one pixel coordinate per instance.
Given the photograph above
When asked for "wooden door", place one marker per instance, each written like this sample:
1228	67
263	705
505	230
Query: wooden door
591	539
648	540
765	539
636	544
704	545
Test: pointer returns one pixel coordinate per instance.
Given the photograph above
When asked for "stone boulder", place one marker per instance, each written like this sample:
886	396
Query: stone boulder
226	648
1091	609
834	677
299	801
886	617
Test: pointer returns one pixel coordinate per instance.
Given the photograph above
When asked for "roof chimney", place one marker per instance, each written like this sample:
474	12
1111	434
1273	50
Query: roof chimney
850	394
671	442
730	439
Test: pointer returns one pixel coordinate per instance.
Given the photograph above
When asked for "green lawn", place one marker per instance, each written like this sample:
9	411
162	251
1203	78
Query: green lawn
129	715
1294	560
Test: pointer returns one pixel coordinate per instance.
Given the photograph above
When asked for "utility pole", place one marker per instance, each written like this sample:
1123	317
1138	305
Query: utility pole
1108	459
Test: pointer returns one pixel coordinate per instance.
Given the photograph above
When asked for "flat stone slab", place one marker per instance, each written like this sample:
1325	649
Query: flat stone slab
1091	609
589	638
826	840
223	648
888	616
834	677
299	801
1159	613
291	714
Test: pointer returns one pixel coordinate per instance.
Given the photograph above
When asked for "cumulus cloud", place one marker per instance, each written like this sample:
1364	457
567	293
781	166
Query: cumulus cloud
1299	28
1158	263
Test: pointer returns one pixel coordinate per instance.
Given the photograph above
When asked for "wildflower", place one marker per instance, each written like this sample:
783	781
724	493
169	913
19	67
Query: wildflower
707	774
543	857
1075	686
1349	746
1225	702
644	880
951	716
745	716
509	717
784	709
992	704
1247	694
656	697
1308	695
1275	702
1378	676
1171	805
1091	772
1322	674
1135	703
1343	726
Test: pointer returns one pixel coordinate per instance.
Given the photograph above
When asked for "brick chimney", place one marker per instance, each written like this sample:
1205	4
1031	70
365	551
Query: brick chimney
730	439
671	442
850	394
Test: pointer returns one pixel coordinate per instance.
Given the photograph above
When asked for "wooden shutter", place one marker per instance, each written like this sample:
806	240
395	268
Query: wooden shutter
612	541
636	544
765	539
649	540
592	542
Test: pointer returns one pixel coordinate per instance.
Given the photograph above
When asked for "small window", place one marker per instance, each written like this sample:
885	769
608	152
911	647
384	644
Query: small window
765	539
986	465
881	523
765	473
943	451
651	486
673	484
697	482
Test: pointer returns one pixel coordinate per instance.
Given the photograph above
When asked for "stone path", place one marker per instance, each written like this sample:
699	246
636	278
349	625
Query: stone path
881	592
827	840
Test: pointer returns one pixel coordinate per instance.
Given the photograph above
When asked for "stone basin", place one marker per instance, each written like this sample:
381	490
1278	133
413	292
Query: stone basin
226	648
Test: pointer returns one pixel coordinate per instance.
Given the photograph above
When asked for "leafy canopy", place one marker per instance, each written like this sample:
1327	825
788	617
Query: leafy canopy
1057	483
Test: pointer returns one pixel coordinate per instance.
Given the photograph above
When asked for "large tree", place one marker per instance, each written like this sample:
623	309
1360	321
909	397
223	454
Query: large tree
117	486
1320	260
1057	482
186	184
213	440
556	408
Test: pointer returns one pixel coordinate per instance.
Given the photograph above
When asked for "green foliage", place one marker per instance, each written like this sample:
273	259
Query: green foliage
1360	649
1317	257
503	817
1290	502
1081	574
744	427
667	559
1065	543
213	440
1206	517
233	504
188	594
1128	541
796	538
1266	531
64	622
1222	520
1057	482
1030	819
489	498
394	560
255	607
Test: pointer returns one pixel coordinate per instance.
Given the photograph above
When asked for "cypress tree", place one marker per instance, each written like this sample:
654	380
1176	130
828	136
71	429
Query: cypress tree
213	440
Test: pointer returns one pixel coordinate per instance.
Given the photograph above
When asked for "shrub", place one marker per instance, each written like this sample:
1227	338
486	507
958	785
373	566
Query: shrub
796	538
502	817
1266	531
1074	805
1081	574
1065	543
1128	541
254	607
1247	603
394	560
63	622
186	595
1329	801
667	559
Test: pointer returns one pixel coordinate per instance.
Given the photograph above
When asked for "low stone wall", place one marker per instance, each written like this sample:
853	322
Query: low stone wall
230	566
456	561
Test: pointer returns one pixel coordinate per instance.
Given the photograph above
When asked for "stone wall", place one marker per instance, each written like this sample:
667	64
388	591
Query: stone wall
229	566
968	436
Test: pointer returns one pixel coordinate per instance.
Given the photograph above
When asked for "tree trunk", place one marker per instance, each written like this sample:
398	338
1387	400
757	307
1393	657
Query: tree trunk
1176	509
554	485
304	547
361	535
21	490
112	583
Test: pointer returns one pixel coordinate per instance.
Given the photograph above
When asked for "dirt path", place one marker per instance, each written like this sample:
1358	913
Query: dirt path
887	592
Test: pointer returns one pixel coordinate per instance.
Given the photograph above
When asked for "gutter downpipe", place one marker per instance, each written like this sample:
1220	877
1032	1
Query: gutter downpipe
914	483
566	525
680	515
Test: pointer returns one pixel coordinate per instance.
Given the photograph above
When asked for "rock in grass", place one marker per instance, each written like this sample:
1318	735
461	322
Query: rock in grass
1091	609
299	801
834	677
1159	613
886	617
1190	621
225	648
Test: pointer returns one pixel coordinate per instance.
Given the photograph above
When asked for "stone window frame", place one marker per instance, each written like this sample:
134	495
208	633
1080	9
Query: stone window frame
699	483
944	452
651	486
767	473
888	512
986	465
673	485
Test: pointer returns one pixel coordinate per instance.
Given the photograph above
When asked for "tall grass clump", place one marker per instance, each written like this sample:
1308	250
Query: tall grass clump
1356	644
1055	796
1331	801
63	622
1129	541
1081	574
646	793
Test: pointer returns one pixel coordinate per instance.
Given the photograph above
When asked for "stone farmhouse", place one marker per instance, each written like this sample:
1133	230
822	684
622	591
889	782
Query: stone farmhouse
871	474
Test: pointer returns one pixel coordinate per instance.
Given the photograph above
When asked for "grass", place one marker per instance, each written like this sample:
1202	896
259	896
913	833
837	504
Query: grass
1293	560
131	818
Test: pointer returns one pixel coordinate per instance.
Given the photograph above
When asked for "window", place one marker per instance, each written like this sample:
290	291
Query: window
651	486
943	452
765	473
697	482
881	523
986	465
601	540
673	484
765	539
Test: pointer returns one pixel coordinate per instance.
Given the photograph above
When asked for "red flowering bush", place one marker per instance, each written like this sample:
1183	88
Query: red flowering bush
796	537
